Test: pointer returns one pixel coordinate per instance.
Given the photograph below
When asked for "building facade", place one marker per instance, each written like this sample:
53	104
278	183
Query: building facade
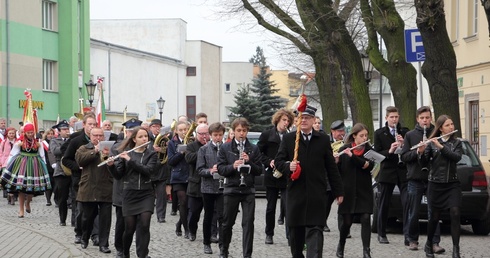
44	46
468	30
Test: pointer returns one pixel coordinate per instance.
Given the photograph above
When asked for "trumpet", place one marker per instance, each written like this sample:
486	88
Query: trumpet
355	147
118	155
429	140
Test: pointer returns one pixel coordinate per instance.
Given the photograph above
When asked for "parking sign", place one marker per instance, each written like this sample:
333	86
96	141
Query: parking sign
414	48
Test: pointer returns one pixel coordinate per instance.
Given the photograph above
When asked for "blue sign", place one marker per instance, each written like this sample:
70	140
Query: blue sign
414	48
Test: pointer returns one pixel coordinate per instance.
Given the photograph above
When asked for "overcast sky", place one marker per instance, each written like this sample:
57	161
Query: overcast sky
202	24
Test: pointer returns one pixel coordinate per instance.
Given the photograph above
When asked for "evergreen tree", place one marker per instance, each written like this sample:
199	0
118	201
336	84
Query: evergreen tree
256	103
263	88
244	102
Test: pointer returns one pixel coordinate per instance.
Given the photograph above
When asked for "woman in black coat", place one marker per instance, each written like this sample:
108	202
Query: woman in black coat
444	188
355	171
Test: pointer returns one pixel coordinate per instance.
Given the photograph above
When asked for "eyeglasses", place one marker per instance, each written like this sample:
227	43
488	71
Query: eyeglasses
206	133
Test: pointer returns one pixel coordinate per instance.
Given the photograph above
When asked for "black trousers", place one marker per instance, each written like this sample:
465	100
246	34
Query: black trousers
385	194
272	193
90	210
213	204
63	185
119	229
195	205
312	236
160	199
230	210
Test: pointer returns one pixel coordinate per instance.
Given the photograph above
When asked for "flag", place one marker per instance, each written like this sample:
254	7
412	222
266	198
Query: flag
100	109
30	114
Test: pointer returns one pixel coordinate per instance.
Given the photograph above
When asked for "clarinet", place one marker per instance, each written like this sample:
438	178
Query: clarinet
398	150
242	169
221	179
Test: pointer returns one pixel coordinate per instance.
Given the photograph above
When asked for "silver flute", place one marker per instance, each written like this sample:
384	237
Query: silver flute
118	155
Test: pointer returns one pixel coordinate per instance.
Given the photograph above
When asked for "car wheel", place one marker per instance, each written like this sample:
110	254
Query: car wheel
481	227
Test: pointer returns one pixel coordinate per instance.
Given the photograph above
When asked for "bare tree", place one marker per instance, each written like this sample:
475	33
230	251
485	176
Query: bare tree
439	67
381	17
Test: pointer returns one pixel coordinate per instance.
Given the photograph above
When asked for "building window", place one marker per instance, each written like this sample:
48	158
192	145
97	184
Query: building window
48	14
375	109
227	87
48	75
473	17
191	71
474	131
190	106
454	31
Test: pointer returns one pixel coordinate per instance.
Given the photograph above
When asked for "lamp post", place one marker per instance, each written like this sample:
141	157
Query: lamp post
367	67
90	85
160	103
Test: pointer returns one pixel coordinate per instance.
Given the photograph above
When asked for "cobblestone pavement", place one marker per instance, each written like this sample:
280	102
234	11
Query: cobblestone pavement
39	235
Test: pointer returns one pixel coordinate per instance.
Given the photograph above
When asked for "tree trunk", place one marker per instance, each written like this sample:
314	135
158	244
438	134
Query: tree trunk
329	82
439	67
402	76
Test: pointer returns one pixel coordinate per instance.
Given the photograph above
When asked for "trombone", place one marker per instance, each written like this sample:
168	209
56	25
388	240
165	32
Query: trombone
429	140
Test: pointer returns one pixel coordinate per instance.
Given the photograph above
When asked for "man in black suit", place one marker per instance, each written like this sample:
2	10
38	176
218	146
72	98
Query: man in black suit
275	183
388	141
307	195
76	141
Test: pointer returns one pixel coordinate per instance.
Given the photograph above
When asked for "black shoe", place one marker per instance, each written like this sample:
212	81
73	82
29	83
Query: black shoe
383	240
280	222
161	220
214	239
340	250
326	229
178	233
366	252
119	254
173	213
48	204
84	244
207	249
105	249
186	235
428	250
78	239
62	224
95	240
268	240
349	235
192	237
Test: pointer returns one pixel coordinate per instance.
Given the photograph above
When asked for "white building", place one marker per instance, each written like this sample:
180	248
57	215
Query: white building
235	76
142	60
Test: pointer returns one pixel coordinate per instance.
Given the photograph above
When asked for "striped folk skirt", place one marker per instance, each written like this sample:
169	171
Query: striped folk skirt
26	172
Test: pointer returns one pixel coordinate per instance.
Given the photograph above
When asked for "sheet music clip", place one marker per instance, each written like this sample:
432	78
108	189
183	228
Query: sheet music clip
374	156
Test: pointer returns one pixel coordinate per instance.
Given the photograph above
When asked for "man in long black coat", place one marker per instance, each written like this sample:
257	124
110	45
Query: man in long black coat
307	195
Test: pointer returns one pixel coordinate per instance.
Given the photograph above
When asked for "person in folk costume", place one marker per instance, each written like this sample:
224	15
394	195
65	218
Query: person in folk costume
5	147
305	158
26	171
355	171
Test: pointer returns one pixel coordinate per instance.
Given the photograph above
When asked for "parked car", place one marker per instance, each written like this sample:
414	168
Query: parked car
253	137
475	208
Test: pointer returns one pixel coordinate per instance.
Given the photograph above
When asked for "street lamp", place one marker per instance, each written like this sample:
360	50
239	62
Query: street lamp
367	67
90	85
160	103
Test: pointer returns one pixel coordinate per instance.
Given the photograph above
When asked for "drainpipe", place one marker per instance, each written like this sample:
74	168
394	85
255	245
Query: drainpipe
7	31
